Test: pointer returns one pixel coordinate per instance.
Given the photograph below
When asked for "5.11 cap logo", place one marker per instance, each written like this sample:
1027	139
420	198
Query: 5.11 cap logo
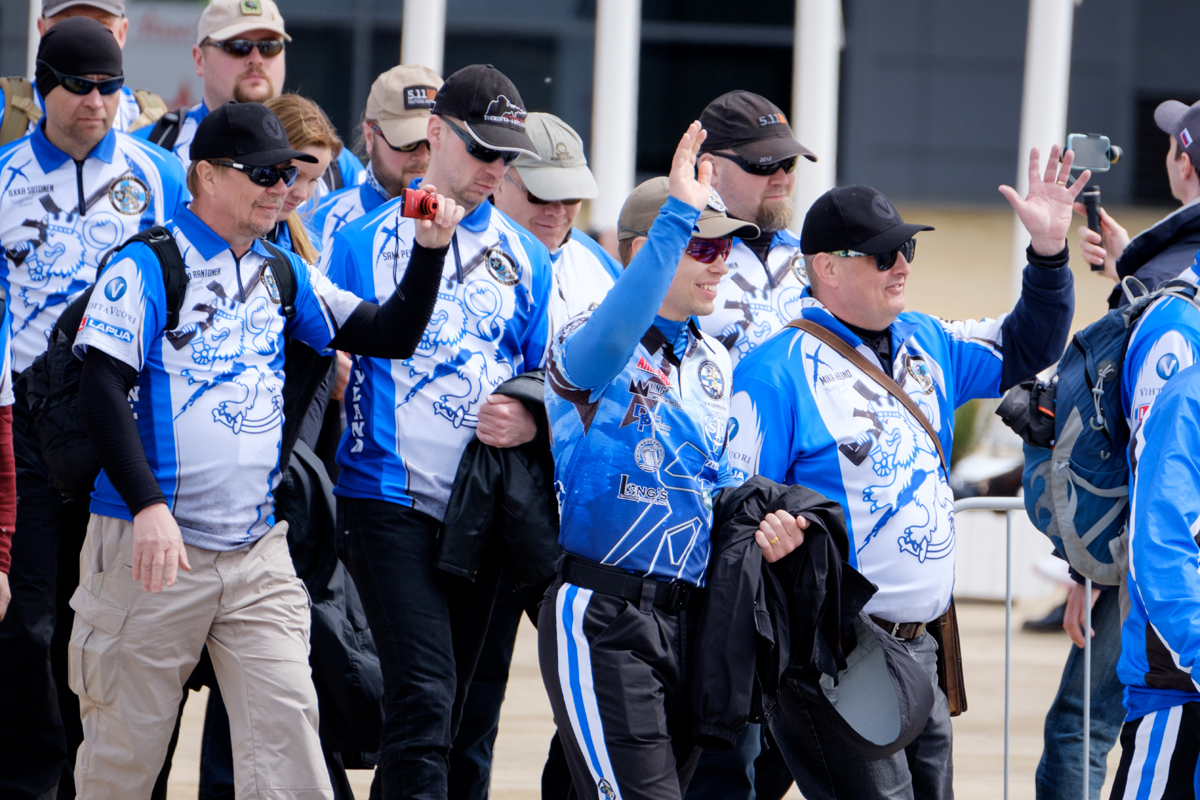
419	97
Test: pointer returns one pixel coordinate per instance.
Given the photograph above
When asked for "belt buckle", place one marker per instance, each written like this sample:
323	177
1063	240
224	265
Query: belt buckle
677	593
895	631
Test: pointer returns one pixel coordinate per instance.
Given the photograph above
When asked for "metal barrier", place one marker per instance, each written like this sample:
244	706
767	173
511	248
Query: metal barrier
1009	505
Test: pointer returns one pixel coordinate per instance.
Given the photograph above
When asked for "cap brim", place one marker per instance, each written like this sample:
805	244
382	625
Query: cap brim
498	137
401	132
768	151
269	158
1168	114
720	226
557	183
890	239
242	27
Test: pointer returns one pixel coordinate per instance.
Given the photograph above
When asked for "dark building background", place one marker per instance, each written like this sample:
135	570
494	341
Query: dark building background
930	93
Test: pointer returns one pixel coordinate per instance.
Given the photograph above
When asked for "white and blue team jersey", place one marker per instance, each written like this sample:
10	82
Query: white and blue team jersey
58	219
803	414
128	110
336	209
7	398
755	300
409	421
1160	637
637	460
583	274
1165	341
182	148
208	399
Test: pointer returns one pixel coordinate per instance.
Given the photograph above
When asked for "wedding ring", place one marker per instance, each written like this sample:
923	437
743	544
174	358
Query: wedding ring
774	541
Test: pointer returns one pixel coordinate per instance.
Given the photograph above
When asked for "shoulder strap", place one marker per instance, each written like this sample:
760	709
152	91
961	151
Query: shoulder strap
175	278
20	108
333	176
285	279
879	376
166	130
152	107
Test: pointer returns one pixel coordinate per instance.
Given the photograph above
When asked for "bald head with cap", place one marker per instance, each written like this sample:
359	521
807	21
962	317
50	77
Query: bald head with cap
79	75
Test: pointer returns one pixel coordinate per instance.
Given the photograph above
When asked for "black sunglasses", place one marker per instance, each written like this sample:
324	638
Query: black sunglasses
883	261
485	154
537	201
262	176
240	48
77	85
788	165
407	148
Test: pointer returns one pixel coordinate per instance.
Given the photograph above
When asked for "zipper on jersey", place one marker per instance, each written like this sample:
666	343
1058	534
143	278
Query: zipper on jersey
79	187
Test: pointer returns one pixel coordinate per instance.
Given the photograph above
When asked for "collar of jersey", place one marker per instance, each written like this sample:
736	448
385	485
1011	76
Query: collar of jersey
477	221
205	240
199	111
901	329
50	158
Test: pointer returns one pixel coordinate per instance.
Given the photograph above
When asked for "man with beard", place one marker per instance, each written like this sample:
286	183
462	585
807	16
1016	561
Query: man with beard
239	52
393	131
754	156
185	414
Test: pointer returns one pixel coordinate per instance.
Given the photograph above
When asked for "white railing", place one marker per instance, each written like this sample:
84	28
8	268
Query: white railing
1008	505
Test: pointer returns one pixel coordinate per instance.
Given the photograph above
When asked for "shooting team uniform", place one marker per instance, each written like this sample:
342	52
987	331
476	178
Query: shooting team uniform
343	206
408	425
57	221
803	414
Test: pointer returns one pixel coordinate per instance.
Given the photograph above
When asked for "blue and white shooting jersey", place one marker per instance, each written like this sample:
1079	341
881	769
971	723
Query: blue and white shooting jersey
208	399
637	460
336	209
803	414
182	148
583	274
409	421
7	398
58	220
755	300
128	110
1160	636
1164	342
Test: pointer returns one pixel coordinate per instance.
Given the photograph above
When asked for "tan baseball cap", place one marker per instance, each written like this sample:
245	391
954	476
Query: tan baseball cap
642	206
563	173
225	19
400	100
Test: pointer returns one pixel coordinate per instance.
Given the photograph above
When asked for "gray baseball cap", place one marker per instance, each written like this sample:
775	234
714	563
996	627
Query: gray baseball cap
1182	122
642	206
52	7
563	173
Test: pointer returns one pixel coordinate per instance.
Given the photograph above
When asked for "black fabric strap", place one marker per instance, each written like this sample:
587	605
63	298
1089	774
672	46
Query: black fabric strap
670	596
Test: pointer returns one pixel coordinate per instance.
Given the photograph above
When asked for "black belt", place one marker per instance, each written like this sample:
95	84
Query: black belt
669	596
900	630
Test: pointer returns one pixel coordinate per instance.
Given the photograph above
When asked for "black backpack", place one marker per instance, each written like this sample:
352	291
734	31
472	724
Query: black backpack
52	381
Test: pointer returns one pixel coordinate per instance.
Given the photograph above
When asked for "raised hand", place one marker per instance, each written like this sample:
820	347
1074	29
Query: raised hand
688	182
435	233
1046	210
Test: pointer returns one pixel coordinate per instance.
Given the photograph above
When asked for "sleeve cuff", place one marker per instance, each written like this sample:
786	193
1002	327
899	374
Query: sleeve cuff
1047	262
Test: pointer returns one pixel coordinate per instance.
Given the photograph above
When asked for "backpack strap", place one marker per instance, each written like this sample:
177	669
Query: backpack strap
152	107
333	176
879	376
166	130
175	277
285	279
20	108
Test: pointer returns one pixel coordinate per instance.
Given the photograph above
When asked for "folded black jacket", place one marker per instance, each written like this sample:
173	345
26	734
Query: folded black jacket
759	619
502	504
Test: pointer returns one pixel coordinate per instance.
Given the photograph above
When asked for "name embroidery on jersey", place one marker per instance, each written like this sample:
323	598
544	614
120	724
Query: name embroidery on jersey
502	266
711	380
129	195
649	455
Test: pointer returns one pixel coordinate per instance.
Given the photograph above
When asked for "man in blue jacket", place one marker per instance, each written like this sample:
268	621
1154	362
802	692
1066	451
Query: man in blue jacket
804	413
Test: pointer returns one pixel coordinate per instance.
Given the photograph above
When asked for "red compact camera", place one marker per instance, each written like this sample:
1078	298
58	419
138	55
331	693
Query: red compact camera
418	204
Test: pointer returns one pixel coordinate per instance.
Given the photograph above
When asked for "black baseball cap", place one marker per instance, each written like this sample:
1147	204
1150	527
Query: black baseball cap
248	133
855	218
489	105
751	126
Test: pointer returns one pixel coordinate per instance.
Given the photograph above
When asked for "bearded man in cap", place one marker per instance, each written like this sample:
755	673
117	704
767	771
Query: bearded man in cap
393	132
410	422
191	462
69	192
814	406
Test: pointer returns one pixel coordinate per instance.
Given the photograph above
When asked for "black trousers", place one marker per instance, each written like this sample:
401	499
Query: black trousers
615	673
39	714
1161	750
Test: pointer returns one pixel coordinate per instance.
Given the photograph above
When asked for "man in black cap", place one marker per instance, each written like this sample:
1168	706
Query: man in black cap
858	404
411	422
755	157
69	192
184	411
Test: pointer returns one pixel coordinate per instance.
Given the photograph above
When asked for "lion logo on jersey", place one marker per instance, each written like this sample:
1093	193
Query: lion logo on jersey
904	459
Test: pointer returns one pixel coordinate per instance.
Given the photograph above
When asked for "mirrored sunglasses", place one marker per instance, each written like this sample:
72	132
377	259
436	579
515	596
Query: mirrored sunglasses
883	261
240	48
83	86
262	176
706	251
